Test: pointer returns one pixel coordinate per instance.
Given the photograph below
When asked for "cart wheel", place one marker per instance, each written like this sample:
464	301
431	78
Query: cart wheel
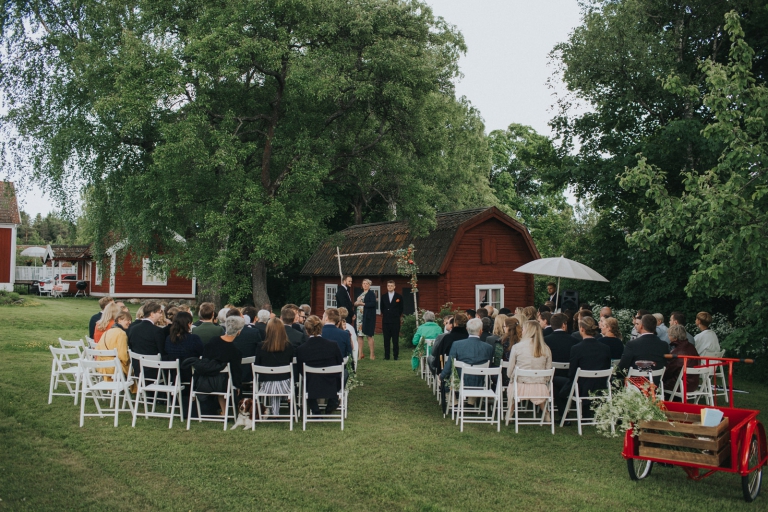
750	484
639	468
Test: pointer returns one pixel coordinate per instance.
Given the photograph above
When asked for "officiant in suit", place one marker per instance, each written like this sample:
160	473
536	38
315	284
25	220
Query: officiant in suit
344	299
391	317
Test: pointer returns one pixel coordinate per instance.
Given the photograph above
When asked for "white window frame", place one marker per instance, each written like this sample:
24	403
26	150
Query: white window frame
99	275
489	287
330	298
377	291
149	279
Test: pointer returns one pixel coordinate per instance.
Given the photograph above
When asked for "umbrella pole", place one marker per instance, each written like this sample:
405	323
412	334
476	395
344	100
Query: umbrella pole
557	297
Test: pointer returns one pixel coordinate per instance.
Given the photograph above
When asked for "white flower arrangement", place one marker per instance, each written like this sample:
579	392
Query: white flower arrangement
628	406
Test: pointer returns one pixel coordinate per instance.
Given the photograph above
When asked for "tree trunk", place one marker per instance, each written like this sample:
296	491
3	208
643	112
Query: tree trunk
259	283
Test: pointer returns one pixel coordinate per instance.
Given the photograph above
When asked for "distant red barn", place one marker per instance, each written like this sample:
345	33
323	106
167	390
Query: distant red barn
469	259
9	221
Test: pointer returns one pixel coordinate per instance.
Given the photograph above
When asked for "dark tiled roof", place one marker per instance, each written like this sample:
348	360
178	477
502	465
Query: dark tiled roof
9	208
431	250
71	252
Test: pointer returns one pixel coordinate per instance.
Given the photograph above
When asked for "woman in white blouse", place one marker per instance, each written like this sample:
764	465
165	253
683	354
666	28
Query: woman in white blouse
531	353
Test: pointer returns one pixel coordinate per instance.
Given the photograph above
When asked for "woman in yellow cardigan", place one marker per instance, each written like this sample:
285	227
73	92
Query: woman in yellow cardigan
116	338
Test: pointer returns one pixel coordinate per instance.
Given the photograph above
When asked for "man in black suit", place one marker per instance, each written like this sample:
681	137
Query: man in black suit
544	318
588	354
331	317
145	337
560	343
260	324
391	317
646	347
552	292
247	342
344	299
288	315
318	353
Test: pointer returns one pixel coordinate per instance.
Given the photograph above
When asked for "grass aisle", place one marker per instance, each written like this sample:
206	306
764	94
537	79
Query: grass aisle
396	452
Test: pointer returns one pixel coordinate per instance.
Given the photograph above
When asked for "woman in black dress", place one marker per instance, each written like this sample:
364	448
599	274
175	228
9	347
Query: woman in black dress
612	336
368	302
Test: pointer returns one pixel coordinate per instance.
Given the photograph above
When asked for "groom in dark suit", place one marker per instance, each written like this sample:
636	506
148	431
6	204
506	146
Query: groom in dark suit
391	315
344	299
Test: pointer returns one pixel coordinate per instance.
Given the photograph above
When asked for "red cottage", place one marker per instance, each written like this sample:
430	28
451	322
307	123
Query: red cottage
468	259
120	277
9	220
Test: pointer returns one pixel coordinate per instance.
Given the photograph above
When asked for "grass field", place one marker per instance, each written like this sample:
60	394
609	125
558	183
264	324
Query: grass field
396	452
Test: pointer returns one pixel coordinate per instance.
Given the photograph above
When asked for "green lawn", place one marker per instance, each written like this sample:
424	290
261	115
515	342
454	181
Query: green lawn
396	452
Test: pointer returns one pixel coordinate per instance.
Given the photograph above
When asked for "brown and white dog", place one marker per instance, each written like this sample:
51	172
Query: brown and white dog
244	417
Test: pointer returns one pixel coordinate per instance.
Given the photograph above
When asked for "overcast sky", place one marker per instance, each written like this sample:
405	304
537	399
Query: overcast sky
505	69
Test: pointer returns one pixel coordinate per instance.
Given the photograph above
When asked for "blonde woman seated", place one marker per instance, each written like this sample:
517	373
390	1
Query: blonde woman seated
531	353
116	338
108	317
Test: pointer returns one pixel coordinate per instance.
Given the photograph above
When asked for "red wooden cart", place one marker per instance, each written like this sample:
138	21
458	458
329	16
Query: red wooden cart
736	445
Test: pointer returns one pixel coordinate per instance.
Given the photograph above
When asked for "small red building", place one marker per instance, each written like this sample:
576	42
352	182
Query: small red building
119	276
9	221
469	259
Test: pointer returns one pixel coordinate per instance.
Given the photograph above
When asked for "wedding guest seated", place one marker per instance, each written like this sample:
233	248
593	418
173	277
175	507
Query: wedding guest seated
106	321
646	347
344	326
288	315
529	312
560	344
678	341
145	337
331	331
181	344
95	318
247	342
207	329
678	318
116	338
661	329
429	330
544	319
588	354
609	326
222	349
319	353
276	350
262	317
458	332
707	344
487	328
472	351
606	312
494	338
434	360
531	353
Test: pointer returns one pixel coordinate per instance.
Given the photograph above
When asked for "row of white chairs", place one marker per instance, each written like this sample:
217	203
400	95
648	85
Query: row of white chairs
98	375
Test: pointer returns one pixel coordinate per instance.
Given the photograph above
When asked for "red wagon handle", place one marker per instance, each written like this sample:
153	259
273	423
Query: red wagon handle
718	361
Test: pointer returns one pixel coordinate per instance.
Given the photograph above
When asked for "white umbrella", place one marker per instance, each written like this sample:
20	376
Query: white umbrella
560	267
34	252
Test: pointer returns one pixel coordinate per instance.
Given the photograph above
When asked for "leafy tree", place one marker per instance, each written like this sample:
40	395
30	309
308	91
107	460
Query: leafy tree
243	126
723	210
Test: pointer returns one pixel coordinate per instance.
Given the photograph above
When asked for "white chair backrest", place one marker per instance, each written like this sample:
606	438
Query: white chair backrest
248	360
275	370
344	361
634	372
88	338
91	354
519	372
63	356
91	371
593	374
479	370
149	357
160	365
92	344
561	366
722	353
704	370
79	345
325	370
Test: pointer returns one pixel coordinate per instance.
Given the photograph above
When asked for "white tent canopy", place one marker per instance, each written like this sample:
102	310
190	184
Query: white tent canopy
560	267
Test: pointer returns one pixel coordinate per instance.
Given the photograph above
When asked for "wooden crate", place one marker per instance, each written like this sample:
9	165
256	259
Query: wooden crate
684	439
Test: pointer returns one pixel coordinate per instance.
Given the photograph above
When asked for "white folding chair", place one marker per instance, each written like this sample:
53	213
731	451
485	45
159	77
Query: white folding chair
561	366
485	393
705	391
307	416
720	374
171	390
78	344
65	369
95	384
575	397
260	393
656	374
453	388
91	343
517	398
228	395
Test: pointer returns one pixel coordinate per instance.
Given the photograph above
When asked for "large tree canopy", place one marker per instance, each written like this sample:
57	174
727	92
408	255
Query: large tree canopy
242	125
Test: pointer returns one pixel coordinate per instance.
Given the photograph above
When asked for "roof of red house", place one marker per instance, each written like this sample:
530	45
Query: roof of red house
71	252
9	208
431	250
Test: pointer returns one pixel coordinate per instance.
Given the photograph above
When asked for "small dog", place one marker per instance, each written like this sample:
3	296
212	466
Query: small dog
244	418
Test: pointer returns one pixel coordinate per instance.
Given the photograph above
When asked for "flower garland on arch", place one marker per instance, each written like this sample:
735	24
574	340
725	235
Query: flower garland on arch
406	266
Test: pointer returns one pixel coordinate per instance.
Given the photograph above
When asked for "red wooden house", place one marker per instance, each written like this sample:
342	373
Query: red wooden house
469	259
119	276
9	220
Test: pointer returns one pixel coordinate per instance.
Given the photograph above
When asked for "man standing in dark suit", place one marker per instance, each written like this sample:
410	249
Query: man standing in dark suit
560	343
344	299
646	347
145	337
318	353
552	292
391	316
588	354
